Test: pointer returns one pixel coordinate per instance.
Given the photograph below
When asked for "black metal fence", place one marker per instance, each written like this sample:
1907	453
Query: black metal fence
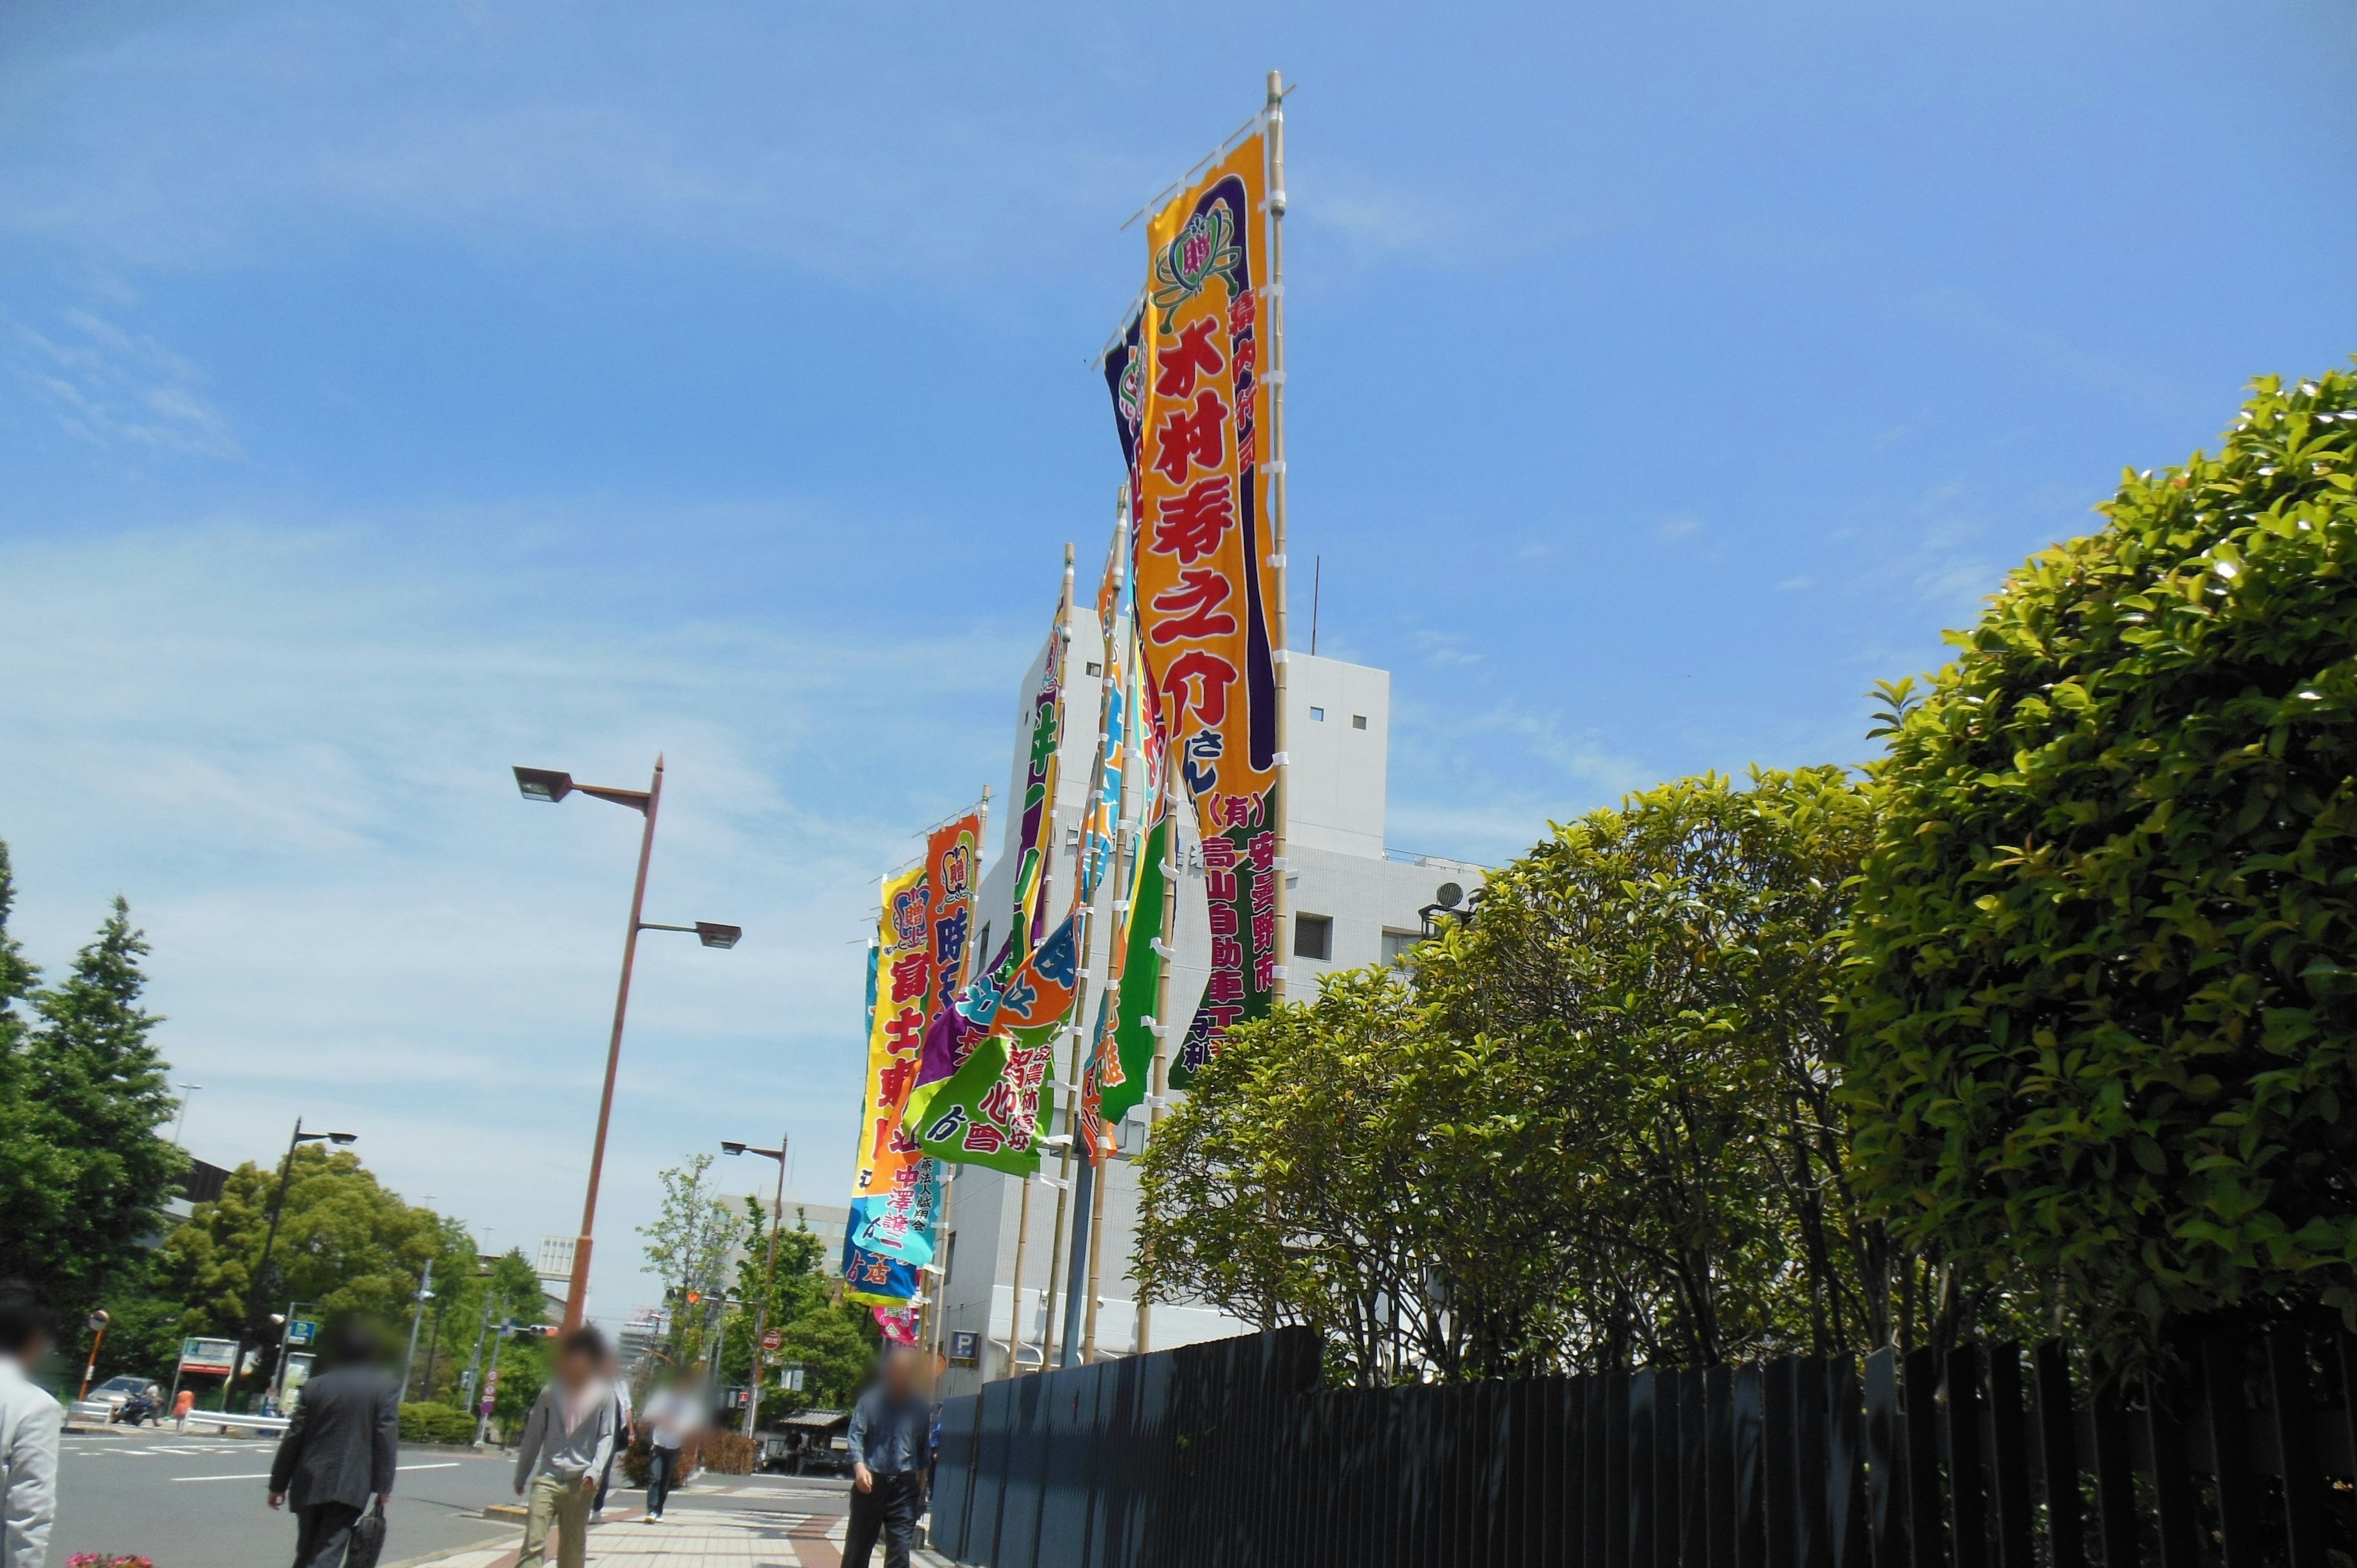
1228	1454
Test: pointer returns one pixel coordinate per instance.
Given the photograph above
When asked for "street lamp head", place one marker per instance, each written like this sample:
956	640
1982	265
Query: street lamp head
343	1137
727	1148
543	784
714	936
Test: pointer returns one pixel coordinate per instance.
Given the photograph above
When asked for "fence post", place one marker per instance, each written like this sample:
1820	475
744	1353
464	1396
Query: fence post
1927	1524
1750	1483
2172	1478
2238	1502
2010	1458
2303	1479
2058	1433
1886	1460
2115	1480
1845	1467
1782	1462
1967	1509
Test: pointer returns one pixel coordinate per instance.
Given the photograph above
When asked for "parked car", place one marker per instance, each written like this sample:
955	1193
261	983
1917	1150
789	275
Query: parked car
106	1402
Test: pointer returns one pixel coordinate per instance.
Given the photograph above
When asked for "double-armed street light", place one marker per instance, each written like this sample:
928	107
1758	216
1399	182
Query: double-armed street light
548	784
270	1241
768	1274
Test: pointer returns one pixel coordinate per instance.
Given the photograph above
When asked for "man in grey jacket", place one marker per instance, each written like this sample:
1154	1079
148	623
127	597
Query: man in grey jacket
340	1449
30	1422
566	1440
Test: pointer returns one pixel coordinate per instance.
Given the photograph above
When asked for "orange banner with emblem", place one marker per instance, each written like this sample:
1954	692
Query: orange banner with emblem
1205	580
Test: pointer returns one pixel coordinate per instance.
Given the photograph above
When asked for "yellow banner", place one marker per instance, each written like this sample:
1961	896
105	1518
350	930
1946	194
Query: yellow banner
1206	584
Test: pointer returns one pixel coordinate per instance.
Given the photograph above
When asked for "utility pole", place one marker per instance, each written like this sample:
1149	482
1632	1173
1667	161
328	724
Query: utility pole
417	1318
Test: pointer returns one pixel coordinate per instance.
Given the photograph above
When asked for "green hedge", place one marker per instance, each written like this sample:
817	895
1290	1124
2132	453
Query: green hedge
2105	944
436	1424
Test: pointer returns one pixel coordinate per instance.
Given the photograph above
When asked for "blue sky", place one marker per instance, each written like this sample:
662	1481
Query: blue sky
393	393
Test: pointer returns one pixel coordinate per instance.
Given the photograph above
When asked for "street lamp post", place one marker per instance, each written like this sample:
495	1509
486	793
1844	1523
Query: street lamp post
270	1241
416	1317
180	1123
552	786
769	1277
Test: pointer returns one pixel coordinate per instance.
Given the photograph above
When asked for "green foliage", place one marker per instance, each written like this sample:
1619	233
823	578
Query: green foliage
688	1246
425	1423
83	1178
345	1245
2104	938
835	1342
1598	1129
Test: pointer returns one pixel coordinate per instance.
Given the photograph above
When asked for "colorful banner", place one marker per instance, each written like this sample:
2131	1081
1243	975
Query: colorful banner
920	964
1120	1051
898	1324
1205	580
897	962
988	1112
1047	728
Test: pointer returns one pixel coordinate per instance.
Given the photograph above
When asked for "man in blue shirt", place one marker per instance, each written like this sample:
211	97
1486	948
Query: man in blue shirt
891	1446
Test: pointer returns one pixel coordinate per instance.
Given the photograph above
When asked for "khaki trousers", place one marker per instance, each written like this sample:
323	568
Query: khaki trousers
551	1500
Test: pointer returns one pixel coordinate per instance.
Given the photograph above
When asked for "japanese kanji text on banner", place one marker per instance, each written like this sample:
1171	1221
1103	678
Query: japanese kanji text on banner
1205	581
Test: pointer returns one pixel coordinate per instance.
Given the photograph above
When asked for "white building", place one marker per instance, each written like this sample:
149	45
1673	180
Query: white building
1353	902
828	1222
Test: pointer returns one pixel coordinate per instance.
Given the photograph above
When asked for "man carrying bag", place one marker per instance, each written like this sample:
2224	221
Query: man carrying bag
340	1451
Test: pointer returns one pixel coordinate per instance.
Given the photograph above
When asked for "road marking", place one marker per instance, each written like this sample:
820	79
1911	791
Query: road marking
445	1465
258	1475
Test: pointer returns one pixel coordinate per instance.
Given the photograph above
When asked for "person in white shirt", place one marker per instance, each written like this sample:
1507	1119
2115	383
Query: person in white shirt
30	1424
672	1416
567	1439
624	1431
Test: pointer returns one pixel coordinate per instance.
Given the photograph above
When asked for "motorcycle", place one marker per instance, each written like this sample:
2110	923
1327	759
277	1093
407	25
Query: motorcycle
139	1409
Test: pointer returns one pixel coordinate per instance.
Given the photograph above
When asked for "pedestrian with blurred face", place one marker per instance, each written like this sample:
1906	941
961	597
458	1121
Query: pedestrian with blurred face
624	1431
30	1425
567	1439
341	1448
891	1444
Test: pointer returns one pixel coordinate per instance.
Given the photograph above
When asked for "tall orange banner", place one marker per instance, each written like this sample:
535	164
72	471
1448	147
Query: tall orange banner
1206	583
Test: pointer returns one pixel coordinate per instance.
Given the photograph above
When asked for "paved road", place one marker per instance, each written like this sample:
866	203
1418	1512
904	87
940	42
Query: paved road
197	1501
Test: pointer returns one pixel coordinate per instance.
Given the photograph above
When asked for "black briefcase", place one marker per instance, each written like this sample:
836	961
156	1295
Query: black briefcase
367	1538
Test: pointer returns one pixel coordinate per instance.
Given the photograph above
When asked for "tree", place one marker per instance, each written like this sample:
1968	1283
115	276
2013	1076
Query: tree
345	1245
1598	1127
833	1341
84	1177
688	1247
2103	938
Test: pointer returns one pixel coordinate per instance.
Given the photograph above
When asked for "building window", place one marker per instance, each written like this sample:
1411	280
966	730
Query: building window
1358	720
984	957
1313	936
1318	716
1094	668
1396	945
1071	838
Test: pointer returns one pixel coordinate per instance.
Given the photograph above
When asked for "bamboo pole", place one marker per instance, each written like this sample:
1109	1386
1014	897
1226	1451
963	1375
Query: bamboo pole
1273	383
1060	646
1124	852
1084	936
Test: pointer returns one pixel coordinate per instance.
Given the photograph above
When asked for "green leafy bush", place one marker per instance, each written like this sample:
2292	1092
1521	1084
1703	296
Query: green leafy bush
436	1424
2103	949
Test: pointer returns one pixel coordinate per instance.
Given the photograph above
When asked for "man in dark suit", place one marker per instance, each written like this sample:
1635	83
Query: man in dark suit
341	1448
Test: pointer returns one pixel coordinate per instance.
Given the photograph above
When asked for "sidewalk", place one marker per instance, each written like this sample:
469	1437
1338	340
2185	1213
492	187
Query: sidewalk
716	1538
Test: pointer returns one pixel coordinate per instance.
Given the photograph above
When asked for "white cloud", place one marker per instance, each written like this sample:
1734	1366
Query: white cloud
116	389
290	751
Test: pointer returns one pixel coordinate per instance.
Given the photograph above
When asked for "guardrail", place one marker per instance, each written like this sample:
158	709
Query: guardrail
225	1424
